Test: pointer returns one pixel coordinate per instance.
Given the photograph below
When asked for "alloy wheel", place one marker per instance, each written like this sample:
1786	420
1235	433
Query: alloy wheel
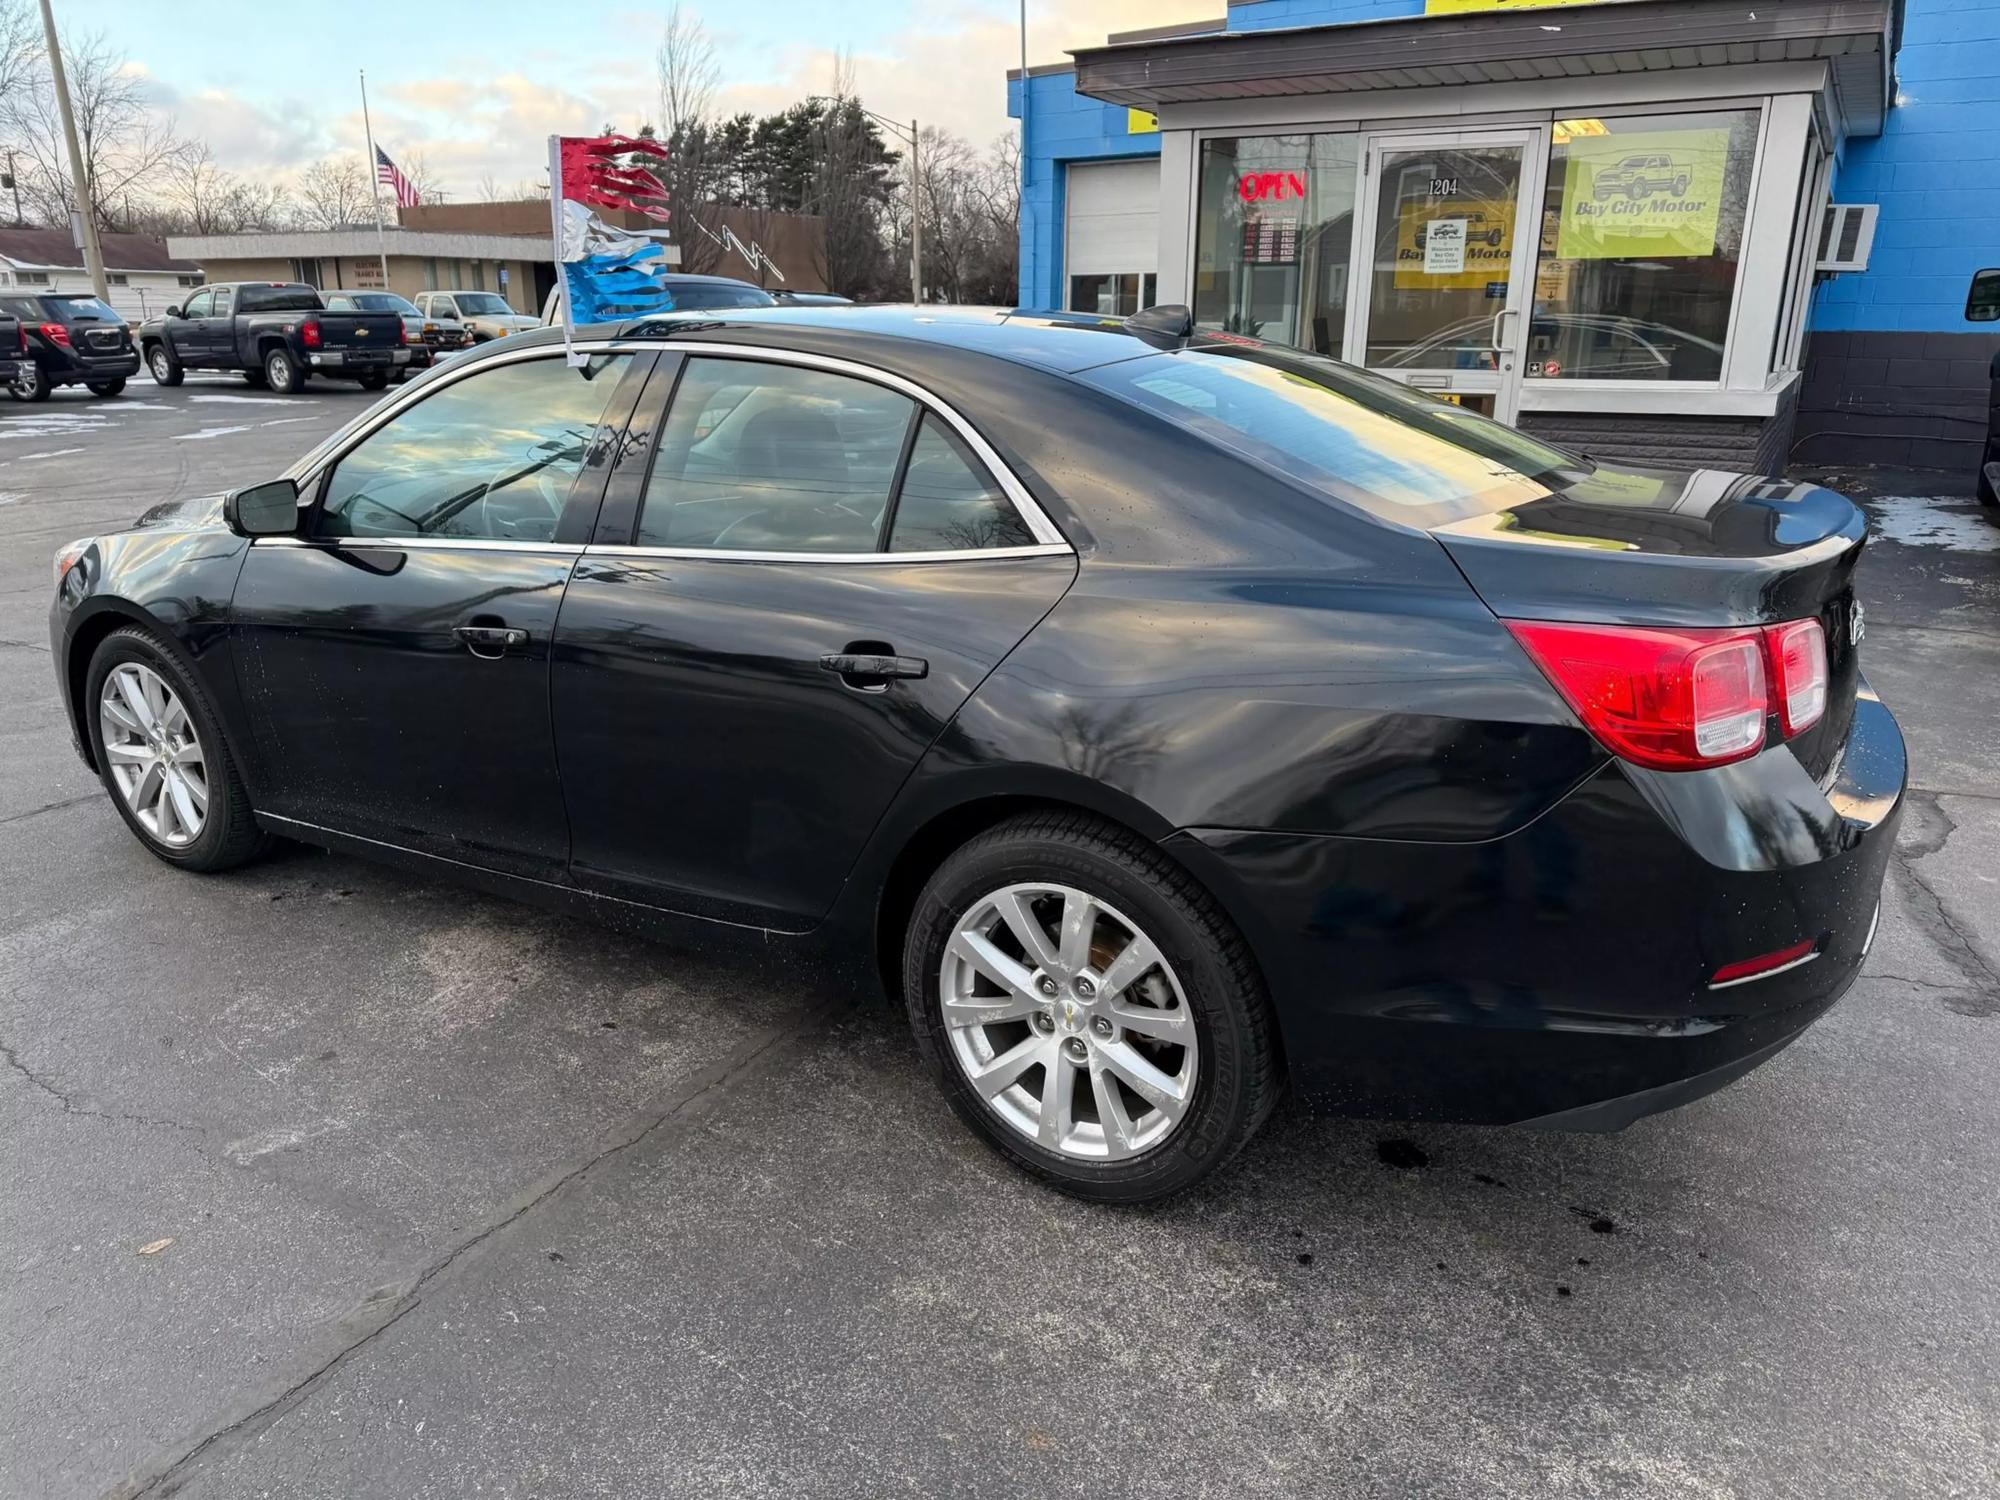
155	755
1069	1022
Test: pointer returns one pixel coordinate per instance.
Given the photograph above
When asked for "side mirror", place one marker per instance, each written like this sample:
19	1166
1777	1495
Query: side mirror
1982	303
270	509
173	312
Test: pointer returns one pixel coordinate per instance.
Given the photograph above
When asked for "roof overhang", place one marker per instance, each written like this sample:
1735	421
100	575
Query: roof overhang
1855	37
305	243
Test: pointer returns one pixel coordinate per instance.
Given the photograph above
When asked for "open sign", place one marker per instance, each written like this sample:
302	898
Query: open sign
1270	187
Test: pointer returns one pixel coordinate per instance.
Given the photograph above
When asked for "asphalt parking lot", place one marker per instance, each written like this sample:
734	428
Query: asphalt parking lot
461	1199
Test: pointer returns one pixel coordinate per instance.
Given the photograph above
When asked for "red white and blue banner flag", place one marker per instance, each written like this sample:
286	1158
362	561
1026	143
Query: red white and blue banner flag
608	273
391	177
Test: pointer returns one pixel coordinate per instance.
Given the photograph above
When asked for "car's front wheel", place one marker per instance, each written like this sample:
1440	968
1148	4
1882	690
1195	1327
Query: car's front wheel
163	367
106	387
161	755
1089	1009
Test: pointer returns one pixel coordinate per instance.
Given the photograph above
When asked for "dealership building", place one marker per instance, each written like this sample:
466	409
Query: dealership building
1712	232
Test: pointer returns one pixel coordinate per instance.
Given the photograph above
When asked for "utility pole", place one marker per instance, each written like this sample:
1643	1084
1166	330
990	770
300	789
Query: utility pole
916	213
14	182
93	253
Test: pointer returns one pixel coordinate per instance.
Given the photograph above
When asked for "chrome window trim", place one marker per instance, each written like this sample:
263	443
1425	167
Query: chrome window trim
724	554
309	470
418	544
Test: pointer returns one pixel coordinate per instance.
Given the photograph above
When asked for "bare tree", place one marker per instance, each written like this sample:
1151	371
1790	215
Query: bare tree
333	193
20	46
192	195
415	165
971	207
692	173
847	188
124	141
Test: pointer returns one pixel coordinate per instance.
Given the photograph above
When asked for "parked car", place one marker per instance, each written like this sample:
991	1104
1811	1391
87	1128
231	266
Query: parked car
1641	176
484	315
1164	717
429	338
278	333
73	338
691	293
13	348
811	299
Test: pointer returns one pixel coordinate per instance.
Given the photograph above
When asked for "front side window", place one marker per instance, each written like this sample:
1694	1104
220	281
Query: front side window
198	305
1642	229
491	457
481	305
1274	228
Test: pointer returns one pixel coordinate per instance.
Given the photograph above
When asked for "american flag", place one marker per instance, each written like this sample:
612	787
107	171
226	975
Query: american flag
389	175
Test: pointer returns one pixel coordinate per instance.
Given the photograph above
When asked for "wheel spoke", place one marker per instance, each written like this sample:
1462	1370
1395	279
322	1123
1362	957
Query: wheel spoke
175	716
1008	1067
1150	1020
134	693
132	754
1129	966
1058	1096
155	693
197	786
989	1010
978	950
1079	926
184	808
1111	1112
1145	1080
1027	931
121	714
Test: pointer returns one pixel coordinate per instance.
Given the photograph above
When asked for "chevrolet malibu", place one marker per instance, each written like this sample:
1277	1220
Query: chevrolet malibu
1168	718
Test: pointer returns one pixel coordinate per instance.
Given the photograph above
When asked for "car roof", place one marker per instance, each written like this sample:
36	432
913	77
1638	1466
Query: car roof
1059	341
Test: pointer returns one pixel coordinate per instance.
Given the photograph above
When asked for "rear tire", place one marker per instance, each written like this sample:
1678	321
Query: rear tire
375	381
210	791
33	385
163	366
1190	1020
282	372
106	387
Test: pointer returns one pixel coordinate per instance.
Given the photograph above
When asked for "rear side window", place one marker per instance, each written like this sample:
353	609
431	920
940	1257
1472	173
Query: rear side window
278	299
774	458
949	503
1356	436
490	457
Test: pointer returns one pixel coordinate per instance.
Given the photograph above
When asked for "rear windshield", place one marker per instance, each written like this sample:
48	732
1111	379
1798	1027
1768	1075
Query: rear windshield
85	309
686	297
370	302
251	299
1369	441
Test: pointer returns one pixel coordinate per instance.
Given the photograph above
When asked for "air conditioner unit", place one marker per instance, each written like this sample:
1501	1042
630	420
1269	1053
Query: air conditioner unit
1846	235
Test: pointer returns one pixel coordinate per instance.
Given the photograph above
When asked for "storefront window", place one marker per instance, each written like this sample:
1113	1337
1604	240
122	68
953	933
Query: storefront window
1273	229
1114	296
1642	227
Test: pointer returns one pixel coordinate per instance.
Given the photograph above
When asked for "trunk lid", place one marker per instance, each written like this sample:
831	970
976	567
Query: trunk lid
1629	546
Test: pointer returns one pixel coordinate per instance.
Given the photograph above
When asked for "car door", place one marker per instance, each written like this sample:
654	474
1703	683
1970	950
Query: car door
823	565
218	329
394	656
185	334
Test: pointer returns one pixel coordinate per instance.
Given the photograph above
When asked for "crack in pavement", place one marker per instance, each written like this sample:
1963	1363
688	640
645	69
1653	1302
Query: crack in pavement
36	812
71	1107
1952	939
164	1475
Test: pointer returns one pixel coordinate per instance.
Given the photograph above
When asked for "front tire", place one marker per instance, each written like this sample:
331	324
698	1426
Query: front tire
161	755
164	368
1089	1009
105	387
282	373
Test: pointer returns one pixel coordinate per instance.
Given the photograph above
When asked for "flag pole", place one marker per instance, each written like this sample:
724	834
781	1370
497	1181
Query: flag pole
374	182
570	356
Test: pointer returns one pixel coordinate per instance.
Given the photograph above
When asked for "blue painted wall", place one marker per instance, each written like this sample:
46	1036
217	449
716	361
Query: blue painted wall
1063	127
1935	171
1269	15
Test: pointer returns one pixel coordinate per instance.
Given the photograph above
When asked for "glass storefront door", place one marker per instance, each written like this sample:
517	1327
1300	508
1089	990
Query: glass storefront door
1450	272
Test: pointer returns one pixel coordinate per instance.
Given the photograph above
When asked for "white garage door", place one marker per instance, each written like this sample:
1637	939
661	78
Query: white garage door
1113	235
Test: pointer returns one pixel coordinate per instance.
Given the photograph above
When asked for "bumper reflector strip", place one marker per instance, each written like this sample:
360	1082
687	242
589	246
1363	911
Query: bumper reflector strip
1765	965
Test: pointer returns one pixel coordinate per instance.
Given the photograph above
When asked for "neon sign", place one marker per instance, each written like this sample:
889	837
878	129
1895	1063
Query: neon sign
1271	187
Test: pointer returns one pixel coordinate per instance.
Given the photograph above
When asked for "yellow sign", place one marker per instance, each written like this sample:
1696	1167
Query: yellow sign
1141	122
1654	194
1460	7
1486	228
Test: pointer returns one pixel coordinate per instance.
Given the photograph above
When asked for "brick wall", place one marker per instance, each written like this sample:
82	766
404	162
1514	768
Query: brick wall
1748	445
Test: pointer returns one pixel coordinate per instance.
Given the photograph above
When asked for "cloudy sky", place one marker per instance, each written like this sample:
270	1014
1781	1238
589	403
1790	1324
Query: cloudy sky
478	85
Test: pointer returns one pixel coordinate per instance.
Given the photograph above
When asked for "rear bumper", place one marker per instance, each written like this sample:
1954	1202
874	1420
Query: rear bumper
1560	976
354	362
75	366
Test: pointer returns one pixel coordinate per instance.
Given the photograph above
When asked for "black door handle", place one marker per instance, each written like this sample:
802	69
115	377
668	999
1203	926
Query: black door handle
490	641
868	669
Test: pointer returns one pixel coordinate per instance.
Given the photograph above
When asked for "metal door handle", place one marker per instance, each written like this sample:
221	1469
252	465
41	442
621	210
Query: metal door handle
1499	345
860	669
490	641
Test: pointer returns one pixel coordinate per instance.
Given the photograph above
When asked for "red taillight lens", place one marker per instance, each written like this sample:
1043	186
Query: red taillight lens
1674	700
309	333
55	333
1798	672
1767	963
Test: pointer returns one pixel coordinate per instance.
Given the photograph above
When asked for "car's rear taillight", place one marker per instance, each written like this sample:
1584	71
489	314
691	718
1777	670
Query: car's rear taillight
1675	700
1683	699
56	334
1798	673
309	333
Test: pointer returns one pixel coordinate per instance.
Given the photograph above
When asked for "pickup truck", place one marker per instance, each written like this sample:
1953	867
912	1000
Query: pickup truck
278	333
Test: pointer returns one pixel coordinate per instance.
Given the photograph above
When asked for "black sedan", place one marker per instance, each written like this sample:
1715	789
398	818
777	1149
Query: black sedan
1168	718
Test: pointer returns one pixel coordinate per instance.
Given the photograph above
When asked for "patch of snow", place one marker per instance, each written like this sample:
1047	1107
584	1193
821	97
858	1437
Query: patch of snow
206	432
1934	521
